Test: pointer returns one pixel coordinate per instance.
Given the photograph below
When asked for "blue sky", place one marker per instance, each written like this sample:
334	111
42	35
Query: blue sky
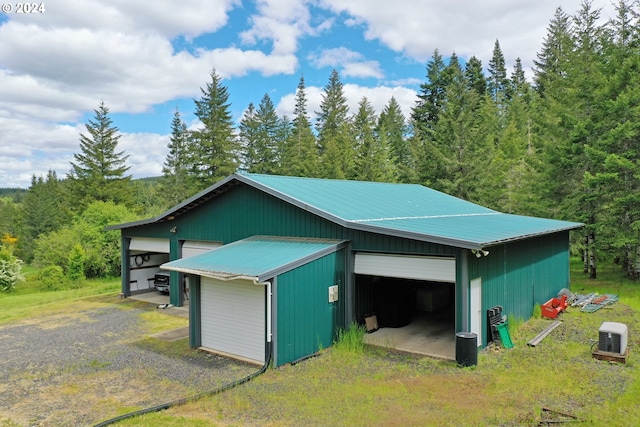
145	59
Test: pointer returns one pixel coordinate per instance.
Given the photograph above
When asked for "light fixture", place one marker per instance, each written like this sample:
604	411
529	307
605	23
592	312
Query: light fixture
173	229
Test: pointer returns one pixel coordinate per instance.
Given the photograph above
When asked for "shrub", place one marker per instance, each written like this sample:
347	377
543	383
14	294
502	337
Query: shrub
10	271
76	264
52	278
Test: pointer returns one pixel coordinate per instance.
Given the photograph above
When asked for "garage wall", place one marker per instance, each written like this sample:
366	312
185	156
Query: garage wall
306	321
233	318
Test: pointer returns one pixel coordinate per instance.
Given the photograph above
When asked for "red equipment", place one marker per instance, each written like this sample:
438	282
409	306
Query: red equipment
552	308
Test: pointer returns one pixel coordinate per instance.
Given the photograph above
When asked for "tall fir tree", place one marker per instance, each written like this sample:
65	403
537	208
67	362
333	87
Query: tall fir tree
334	139
98	173
214	150
551	65
393	128
300	154
498	83
373	160
176	184
475	76
431	96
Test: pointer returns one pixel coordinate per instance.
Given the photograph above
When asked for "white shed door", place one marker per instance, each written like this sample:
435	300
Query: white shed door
437	269
233	318
196	247
148	244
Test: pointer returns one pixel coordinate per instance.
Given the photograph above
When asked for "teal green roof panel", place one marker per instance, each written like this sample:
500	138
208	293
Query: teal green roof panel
256	258
406	210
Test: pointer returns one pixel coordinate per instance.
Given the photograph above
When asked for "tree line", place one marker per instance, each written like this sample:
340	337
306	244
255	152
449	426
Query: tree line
563	145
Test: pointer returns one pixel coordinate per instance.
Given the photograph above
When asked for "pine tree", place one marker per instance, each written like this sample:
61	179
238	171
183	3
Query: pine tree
300	154
264	150
334	137
214	149
557	45
43	211
373	160
98	173
431	97
475	76
393	128
498	83
176	184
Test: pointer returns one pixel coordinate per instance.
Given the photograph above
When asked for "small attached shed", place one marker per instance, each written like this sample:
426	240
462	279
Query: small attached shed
310	256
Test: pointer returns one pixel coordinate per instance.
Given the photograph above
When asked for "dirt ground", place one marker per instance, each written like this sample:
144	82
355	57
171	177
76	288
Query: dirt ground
84	367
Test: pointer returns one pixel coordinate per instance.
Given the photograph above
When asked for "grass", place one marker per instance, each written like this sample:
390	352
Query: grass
354	385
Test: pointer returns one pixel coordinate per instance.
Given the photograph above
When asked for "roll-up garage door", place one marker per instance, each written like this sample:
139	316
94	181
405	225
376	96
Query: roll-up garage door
437	269
196	247
148	244
233	318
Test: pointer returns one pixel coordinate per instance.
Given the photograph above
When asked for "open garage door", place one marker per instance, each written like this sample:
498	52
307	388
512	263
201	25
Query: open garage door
196	247
148	244
233	318
436	269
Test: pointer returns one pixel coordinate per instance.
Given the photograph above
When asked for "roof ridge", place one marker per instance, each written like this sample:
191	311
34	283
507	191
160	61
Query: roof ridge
426	217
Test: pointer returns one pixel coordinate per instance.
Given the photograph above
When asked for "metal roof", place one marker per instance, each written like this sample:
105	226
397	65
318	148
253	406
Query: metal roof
405	210
256	258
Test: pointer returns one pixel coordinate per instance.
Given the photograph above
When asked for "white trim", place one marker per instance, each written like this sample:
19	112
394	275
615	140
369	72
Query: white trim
475	307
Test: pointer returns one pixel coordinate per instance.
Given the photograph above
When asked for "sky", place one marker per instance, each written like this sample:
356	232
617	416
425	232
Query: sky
147	59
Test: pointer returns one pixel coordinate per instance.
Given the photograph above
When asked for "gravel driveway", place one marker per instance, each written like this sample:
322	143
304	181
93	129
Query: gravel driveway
83	368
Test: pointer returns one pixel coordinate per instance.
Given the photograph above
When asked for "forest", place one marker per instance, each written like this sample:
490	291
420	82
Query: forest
563	144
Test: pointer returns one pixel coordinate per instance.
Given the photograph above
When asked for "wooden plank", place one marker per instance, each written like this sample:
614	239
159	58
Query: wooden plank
542	335
610	357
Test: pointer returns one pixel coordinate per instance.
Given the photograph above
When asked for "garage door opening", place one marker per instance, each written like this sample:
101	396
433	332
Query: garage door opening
416	316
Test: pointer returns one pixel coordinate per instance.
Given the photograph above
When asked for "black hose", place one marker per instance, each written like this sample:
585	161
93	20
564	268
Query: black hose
182	401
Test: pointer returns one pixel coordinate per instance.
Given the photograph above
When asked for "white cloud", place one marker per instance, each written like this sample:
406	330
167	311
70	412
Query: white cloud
350	63
418	27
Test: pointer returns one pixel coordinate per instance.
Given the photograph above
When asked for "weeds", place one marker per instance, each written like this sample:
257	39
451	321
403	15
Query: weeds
351	340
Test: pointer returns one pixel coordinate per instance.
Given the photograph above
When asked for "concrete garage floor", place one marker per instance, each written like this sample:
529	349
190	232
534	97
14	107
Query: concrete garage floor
429	334
157	298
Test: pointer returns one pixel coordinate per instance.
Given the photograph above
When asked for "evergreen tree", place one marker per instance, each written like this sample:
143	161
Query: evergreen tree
176	185
392	127
300	154
431	96
214	149
43	211
98	173
475	76
334	137
373	158
498	83
264	152
557	46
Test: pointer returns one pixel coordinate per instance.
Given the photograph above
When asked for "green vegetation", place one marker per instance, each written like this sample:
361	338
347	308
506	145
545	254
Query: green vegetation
353	384
350	384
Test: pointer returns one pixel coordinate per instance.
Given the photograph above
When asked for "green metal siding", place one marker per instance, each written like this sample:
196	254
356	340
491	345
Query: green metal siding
519	275
306	320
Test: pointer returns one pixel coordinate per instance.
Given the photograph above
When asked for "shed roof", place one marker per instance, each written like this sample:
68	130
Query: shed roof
404	210
256	258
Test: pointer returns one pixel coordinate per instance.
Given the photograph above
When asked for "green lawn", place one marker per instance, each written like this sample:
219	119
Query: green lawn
352	385
349	386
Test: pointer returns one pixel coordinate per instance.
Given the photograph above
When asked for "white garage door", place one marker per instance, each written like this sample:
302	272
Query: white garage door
233	318
437	269
196	247
148	244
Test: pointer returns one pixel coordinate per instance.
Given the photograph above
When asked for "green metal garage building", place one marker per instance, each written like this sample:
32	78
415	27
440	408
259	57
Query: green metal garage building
276	265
